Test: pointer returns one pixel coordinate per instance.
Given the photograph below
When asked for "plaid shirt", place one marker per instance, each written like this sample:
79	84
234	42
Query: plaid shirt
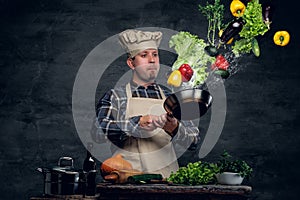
111	110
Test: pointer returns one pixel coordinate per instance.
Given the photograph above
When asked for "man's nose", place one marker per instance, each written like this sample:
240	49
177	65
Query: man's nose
151	59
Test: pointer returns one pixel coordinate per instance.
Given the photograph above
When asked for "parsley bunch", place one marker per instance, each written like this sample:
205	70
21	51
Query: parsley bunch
197	173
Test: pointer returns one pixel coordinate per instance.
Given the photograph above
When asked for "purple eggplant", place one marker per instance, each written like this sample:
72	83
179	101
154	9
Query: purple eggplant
267	14
231	30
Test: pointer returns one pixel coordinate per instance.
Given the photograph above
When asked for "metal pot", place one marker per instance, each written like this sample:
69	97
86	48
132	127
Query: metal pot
63	179
188	104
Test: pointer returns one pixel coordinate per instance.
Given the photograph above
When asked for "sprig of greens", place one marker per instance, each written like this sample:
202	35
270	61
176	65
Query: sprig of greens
228	164
214	14
196	173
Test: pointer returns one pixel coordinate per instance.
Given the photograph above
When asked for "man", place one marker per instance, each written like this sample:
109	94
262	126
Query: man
133	118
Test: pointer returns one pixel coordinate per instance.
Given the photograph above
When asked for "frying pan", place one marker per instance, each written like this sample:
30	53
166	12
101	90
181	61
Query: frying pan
188	104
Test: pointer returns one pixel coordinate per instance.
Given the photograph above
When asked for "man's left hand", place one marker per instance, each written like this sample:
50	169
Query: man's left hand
171	125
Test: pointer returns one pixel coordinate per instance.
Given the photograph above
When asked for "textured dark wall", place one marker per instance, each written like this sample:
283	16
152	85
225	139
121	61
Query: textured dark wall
43	43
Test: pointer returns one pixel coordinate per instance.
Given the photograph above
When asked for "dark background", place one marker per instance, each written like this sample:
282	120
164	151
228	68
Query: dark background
44	42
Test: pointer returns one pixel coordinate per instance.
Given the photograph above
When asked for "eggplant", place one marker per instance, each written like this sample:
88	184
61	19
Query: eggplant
267	12
231	30
211	50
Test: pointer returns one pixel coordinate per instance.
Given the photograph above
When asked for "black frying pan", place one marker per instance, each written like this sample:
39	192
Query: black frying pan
188	104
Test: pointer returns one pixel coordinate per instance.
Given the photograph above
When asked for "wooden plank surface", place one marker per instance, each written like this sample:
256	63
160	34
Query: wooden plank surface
172	192
174	189
65	197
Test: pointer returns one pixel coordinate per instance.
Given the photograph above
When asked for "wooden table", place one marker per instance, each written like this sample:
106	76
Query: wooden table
172	192
65	197
160	191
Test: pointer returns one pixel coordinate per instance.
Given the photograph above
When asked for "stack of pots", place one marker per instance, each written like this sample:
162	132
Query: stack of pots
63	179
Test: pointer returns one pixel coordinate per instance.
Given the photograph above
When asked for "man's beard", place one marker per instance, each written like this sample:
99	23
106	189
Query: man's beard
152	75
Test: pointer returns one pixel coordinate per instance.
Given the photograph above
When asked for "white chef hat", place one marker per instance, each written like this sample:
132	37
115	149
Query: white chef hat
135	41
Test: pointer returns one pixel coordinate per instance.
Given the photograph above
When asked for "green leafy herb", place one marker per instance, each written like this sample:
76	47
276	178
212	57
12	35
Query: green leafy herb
254	25
196	173
242	46
214	14
228	164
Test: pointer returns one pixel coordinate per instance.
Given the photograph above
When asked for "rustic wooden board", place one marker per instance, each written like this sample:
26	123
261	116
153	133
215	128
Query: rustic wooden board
172	192
173	189
66	197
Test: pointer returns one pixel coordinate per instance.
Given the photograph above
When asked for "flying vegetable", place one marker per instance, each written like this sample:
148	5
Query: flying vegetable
237	8
267	14
220	35
281	38
255	47
220	63
231	30
186	72
175	78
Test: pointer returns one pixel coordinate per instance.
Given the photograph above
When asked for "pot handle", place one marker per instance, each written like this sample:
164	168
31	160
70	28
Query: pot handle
65	162
39	169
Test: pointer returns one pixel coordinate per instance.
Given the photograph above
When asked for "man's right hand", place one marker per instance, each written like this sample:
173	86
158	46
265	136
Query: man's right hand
146	122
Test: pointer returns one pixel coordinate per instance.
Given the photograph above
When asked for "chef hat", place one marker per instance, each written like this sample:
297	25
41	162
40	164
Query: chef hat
135	41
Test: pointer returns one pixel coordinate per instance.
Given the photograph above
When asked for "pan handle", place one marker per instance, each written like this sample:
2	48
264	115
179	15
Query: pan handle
170	114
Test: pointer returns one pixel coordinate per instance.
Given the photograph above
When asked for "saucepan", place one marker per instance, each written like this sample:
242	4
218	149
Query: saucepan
63	179
188	104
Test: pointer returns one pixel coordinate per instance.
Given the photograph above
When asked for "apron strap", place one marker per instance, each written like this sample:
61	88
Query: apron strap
163	96
128	91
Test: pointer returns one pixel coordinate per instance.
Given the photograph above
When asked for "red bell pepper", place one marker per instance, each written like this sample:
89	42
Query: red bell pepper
186	72
220	63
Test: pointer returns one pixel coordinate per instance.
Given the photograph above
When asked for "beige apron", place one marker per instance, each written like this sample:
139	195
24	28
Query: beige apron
153	152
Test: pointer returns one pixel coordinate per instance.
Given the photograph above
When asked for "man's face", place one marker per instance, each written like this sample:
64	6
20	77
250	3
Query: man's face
145	66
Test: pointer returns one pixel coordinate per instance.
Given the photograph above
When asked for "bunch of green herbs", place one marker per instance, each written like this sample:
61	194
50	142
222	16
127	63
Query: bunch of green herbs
214	14
228	164
197	173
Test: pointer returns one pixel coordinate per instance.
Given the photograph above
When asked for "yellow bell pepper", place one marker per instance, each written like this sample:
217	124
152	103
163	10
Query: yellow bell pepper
175	78
281	38
237	8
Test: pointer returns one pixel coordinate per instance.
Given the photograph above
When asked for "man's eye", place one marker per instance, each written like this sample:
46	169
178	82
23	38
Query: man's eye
155	54
143	55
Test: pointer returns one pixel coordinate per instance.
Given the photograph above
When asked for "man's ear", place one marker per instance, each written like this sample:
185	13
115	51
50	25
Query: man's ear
130	63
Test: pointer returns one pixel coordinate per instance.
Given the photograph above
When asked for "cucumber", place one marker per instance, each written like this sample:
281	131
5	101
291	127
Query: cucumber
255	47
211	50
223	73
144	178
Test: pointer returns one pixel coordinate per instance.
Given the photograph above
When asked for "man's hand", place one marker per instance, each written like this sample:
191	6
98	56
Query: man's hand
146	122
164	121
171	125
